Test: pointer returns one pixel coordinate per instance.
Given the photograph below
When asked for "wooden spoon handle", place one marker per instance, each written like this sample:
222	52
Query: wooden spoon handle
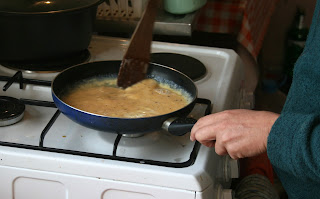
136	60
141	39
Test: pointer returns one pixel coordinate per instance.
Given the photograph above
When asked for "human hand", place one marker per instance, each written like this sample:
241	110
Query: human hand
239	133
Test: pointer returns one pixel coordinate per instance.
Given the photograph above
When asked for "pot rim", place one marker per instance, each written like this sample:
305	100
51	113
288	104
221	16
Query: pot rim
96	3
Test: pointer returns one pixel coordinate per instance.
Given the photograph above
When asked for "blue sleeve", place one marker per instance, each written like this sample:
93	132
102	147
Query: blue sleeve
294	141
294	145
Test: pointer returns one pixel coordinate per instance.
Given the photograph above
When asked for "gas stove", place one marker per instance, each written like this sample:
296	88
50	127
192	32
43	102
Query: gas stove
46	155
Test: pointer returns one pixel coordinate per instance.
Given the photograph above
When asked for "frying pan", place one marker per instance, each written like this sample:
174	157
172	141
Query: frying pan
70	77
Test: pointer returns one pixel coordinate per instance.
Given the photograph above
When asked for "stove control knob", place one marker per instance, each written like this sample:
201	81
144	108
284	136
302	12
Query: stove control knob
224	193
231	168
247	99
227	194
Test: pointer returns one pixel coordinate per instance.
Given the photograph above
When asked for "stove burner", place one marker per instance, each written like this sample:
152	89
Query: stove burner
190	66
11	110
50	65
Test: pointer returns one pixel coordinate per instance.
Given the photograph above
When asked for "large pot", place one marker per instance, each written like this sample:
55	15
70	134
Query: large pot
73	75
40	30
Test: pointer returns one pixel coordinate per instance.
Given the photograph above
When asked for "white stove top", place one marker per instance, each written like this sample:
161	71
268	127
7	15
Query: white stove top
135	160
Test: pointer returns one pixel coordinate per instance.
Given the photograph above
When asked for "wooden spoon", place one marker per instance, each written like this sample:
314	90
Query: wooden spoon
135	62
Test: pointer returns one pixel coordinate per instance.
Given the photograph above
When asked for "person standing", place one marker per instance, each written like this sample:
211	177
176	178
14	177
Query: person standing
291	139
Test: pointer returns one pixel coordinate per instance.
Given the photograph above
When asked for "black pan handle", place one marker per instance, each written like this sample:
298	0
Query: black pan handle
179	126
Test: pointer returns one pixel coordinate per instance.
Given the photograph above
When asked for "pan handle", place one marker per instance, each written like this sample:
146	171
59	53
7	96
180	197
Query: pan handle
179	126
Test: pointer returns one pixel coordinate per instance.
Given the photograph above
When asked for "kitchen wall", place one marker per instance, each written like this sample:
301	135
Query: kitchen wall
271	56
